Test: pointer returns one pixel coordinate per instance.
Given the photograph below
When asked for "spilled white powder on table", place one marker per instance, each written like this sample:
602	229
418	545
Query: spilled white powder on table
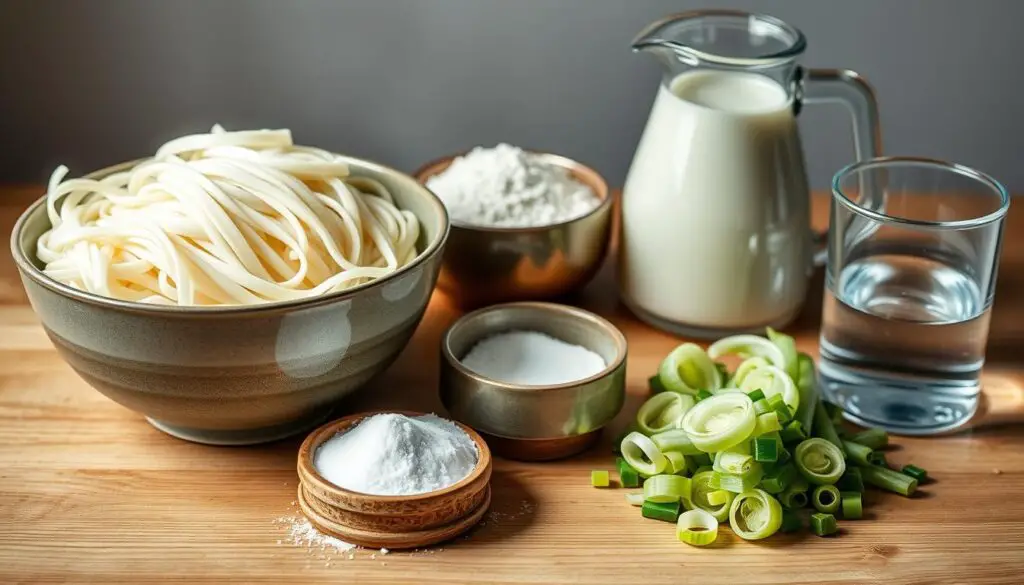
393	454
505	186
532	358
302	533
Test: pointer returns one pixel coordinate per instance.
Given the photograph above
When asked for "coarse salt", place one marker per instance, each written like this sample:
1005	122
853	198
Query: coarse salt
506	186
532	358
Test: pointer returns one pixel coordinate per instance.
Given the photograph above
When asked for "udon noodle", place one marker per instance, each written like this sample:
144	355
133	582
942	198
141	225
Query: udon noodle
225	218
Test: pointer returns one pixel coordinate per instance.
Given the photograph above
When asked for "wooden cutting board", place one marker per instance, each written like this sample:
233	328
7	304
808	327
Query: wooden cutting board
90	493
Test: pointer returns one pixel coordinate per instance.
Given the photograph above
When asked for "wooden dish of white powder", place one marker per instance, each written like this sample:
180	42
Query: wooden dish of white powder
394	479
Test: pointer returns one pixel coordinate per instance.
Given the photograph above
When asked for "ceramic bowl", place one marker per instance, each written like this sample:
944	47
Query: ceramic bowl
239	374
486	265
391	521
534	422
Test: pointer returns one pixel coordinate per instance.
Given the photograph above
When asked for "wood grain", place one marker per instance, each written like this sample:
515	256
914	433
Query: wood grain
90	493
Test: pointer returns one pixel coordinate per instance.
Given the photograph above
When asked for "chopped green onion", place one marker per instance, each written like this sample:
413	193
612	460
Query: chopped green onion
878	458
765	449
824	428
785	415
736	459
702	459
665	512
688	369
635	499
720	422
790	522
793	432
655	384
851	481
819	461
675	440
784	456
851	505
774	382
662	412
915	472
762	407
697	528
663	489
767	423
755	515
676	462
795	496
787	346
701	492
858	453
823	524
599	478
737	483
777	480
628	476
826	499
746	366
806	385
636	447
719	497
703	394
747	346
873	438
775	400
756	395
887	479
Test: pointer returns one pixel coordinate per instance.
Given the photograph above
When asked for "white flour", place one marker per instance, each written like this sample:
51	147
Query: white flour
507	187
304	533
528	357
393	454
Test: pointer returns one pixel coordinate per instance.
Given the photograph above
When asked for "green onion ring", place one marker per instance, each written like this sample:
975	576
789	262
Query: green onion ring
662	412
818	460
754	515
772	380
697	528
701	491
689	369
787	345
747	346
665	489
720	421
635	446
746	366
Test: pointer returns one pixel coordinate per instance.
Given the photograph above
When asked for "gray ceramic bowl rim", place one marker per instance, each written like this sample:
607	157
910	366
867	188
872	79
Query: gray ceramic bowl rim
28	268
622	346
557	159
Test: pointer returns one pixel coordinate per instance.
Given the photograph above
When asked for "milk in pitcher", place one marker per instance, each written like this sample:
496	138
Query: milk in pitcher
715	210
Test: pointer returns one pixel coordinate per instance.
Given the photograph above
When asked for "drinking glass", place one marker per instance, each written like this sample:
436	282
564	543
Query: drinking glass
912	257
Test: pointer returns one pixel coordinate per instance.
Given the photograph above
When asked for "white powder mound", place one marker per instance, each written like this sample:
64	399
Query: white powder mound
393	454
531	358
304	533
505	186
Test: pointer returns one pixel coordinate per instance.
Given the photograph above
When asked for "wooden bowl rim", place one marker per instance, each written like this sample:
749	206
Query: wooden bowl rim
328	430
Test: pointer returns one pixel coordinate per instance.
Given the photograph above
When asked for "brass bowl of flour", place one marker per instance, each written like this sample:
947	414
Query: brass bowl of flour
534	423
394	522
485	265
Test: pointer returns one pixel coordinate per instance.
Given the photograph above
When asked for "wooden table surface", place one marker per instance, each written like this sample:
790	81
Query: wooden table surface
90	493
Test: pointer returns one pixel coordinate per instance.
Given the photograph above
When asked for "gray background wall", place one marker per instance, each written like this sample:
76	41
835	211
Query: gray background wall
94	82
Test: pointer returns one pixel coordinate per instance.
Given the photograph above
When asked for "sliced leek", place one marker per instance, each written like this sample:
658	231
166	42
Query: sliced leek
675	440
662	412
697	528
665	489
773	381
787	346
635	499
676	462
755	515
747	346
689	369
735	459
720	421
819	461
806	385
642	454
746	366
707	497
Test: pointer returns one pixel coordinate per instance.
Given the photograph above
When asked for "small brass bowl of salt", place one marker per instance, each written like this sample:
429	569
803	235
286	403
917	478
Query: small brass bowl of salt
538	380
394	480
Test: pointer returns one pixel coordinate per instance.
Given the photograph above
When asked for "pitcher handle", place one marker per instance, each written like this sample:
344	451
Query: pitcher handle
842	86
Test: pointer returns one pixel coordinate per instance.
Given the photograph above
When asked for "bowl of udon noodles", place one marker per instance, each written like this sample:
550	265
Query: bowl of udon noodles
233	287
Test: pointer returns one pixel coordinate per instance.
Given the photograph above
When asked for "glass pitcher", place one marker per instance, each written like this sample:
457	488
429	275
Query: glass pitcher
715	232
